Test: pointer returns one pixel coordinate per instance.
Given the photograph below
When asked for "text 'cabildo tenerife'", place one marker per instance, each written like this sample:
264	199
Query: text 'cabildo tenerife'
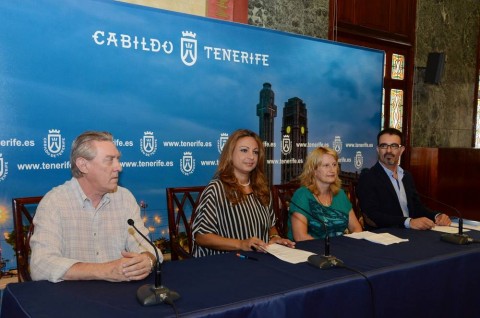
188	48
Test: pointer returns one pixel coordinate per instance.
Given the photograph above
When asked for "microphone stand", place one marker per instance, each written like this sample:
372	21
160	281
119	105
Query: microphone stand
459	238
326	260
148	294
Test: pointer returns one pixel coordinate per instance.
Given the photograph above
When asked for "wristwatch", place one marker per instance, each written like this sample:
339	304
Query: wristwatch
152	262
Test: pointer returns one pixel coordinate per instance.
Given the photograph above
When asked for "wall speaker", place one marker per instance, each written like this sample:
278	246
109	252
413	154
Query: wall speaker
434	70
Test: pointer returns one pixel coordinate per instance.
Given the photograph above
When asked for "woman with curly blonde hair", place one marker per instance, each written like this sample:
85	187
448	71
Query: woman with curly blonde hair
320	205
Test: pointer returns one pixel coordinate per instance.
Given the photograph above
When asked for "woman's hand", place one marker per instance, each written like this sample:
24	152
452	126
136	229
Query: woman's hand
253	244
282	241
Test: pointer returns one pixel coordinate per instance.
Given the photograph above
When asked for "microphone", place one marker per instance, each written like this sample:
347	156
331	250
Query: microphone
326	260
459	238
149	294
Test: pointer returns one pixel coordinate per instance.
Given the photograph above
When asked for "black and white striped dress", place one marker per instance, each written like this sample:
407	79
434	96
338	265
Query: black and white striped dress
215	214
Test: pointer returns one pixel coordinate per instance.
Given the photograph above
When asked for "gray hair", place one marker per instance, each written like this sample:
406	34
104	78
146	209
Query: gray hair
82	147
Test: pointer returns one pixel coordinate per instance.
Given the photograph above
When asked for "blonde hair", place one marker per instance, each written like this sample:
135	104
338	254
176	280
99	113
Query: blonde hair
225	171
314	159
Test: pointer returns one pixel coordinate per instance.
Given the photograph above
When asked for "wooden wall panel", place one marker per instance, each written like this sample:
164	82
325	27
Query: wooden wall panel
402	18
373	14
386	19
346	11
450	175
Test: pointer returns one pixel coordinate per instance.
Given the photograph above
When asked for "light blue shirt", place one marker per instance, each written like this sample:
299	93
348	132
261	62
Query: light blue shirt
400	190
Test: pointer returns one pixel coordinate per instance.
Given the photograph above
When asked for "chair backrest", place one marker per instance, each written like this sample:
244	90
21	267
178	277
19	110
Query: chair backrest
23	212
282	195
349	185
181	207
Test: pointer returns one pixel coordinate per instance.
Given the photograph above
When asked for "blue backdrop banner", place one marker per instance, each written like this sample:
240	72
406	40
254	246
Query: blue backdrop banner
170	87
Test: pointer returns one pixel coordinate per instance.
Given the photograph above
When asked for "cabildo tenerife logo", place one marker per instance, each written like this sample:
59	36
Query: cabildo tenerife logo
54	143
148	144
221	142
187	163
286	145
188	48
337	145
3	168
358	161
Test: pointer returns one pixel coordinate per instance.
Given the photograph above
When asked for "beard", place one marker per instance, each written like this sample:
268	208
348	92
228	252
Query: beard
389	159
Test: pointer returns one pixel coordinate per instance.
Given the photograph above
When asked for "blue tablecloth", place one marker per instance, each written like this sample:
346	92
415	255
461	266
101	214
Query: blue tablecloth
424	276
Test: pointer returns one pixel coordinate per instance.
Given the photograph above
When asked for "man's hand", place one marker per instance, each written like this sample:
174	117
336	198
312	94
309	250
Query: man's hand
131	266
136	266
422	223
442	219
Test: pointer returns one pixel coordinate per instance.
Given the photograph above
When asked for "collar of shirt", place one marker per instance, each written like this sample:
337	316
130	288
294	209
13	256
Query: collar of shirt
83	197
400	172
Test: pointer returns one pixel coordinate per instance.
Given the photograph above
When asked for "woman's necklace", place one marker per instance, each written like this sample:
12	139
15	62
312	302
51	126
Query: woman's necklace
325	203
246	184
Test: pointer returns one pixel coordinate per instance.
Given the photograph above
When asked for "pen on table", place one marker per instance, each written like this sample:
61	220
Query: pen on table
247	257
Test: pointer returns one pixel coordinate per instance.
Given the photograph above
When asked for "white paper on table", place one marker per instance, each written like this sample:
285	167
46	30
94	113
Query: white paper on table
379	238
467	224
287	254
448	229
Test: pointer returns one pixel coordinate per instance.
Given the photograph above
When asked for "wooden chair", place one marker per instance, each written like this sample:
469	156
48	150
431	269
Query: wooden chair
23	212
282	195
181	206
349	185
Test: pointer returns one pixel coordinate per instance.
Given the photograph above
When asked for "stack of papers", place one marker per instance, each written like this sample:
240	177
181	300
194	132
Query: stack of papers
379	238
453	228
287	254
448	229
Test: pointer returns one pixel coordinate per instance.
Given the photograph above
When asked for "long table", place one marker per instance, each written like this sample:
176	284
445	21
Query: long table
422	277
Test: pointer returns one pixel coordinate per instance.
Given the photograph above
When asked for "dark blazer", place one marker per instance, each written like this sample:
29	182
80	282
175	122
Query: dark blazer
379	202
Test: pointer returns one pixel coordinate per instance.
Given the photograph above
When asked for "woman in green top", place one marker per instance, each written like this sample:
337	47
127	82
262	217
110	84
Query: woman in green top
320	204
